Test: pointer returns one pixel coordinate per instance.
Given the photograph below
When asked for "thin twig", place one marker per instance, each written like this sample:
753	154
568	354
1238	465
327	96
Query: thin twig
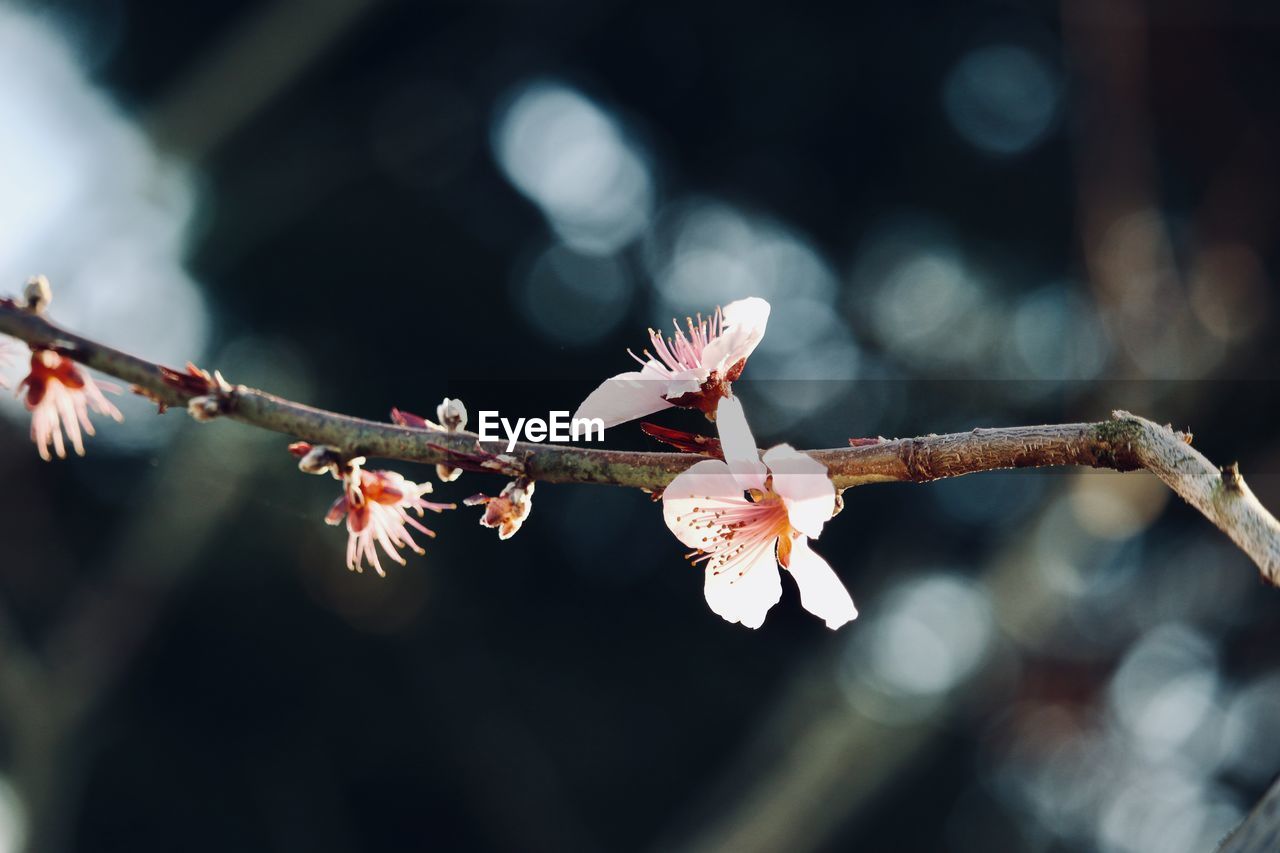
1124	443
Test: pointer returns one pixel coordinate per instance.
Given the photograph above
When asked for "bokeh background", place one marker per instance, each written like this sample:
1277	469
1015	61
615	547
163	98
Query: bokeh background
973	214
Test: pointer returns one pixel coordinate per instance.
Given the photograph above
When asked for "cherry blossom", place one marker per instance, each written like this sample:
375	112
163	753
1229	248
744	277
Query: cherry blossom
59	395
692	369
745	517
375	505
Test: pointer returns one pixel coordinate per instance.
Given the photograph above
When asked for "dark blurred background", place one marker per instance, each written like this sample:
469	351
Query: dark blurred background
964	215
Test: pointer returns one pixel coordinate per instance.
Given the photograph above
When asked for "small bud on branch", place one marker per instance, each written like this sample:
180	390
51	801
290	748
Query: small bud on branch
507	511
37	295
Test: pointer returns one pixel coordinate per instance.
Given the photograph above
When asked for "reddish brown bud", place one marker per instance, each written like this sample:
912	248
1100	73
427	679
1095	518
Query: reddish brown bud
409	419
686	442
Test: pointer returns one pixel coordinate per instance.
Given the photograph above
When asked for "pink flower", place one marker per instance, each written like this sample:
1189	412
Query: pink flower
693	371
746	517
59	397
376	504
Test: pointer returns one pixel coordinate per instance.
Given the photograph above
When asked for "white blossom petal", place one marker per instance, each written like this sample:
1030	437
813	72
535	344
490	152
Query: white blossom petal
682	382
626	397
821	591
744	590
743	328
804	486
708	485
739	445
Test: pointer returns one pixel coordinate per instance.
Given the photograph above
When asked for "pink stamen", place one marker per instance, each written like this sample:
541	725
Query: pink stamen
683	351
377	505
736	533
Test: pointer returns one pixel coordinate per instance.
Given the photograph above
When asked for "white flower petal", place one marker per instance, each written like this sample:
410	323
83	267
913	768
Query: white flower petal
743	327
683	382
744	590
739	445
625	397
821	592
706	485
805	487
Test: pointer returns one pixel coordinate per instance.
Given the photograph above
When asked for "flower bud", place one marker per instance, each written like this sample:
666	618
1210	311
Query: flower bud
451	414
204	408
320	459
508	510
37	294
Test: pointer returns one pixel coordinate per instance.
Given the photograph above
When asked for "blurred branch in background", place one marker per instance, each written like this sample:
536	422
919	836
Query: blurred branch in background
1260	833
51	688
48	693
242	74
939	652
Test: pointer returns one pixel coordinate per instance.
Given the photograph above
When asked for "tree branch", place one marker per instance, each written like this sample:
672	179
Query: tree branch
1124	443
1260	832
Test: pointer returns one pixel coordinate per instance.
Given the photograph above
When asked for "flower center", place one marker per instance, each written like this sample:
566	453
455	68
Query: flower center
736	532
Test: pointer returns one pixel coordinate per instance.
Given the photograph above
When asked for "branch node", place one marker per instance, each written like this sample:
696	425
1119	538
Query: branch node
219	400
452	417
915	459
